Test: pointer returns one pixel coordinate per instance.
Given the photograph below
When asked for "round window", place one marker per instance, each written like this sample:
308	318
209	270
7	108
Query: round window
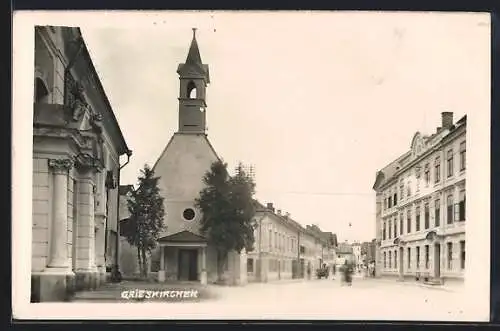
188	214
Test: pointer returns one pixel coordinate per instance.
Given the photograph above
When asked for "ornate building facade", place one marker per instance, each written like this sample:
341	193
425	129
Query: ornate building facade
77	144
420	200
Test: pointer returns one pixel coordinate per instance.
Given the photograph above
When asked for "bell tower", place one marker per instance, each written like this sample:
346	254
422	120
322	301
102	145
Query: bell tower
194	78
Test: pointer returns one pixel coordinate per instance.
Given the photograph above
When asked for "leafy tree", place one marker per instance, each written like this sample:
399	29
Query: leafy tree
147	212
227	207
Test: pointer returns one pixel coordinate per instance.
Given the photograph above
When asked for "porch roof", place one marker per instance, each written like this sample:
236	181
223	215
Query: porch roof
183	238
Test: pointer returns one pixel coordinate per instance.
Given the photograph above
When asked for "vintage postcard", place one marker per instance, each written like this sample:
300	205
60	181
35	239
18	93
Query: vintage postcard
251	165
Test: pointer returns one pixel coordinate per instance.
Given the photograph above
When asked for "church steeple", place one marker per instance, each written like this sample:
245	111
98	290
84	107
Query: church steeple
194	57
194	78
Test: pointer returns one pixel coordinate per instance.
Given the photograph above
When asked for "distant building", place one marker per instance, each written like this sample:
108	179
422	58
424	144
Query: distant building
77	144
344	253
129	265
420	199
368	251
284	249
276	246
356	252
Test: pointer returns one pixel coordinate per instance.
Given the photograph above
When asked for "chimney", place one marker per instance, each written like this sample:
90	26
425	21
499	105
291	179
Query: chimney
287	215
446	119
438	129
270	206
279	211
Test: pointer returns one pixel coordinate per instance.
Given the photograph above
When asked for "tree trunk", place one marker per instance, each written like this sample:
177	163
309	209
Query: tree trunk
221	261
144	263
139	259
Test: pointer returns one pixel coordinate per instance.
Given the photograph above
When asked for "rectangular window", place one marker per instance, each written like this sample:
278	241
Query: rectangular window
390	260
449	209
450	163
384	232
276	240
437	212
395	228
408	221
417	218
270	239
418	257
461	205
426	216
450	255
385	260
395	199
409	257
401	222
401	190
390	229
426	256
417	176
437	170
408	190
462	254
427	175
395	259
389	202
462	156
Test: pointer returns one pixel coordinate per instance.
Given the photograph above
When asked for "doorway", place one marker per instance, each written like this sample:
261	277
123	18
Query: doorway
401	262
188	264
437	260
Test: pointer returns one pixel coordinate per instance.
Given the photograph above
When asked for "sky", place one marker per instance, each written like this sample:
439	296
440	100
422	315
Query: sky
316	102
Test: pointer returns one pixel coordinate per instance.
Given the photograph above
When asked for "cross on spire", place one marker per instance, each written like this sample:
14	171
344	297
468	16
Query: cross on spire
194	32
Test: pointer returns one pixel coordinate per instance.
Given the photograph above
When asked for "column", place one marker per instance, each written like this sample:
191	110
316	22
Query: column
161	272
55	281
58	257
203	277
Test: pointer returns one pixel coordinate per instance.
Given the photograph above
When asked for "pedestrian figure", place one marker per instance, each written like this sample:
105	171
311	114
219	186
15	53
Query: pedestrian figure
334	271
348	269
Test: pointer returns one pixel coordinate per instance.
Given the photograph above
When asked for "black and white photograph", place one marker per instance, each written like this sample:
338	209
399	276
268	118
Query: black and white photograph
251	165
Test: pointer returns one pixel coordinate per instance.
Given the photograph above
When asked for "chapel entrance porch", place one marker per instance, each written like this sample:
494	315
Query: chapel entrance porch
183	257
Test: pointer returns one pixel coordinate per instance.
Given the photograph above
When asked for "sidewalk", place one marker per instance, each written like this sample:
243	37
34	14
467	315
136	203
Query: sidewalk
446	287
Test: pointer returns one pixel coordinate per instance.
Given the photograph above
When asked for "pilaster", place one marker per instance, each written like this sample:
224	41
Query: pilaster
203	276
86	267
161	272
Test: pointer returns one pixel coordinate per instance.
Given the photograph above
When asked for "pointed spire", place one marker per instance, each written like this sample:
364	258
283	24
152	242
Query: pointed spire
194	52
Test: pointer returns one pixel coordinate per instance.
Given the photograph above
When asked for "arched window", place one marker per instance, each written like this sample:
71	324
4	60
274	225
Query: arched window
191	90
41	92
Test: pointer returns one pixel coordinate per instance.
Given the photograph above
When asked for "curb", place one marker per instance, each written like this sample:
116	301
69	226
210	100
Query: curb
433	287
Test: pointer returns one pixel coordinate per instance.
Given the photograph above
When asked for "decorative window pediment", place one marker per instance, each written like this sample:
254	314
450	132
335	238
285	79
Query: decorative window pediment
417	145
